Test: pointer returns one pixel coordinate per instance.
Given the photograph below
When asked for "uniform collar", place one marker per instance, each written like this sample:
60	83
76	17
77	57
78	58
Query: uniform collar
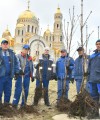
7	53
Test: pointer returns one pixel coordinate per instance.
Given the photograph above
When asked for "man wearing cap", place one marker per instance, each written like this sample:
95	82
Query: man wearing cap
23	81
64	67
94	73
44	70
8	68
78	71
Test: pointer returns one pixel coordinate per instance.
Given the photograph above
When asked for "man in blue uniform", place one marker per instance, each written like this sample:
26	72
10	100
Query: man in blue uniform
23	81
78	70
94	72
8	68
44	72
64	67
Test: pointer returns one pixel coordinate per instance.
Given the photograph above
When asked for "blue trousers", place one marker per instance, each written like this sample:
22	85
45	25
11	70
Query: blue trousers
87	87
6	87
60	88
18	90
45	85
94	90
78	85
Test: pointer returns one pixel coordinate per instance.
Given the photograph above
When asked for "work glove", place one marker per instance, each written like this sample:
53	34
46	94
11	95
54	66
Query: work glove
72	80
21	72
54	77
37	66
16	76
32	79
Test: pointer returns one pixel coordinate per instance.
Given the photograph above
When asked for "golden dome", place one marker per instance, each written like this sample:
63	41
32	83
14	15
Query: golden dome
19	25
27	14
6	33
47	31
58	10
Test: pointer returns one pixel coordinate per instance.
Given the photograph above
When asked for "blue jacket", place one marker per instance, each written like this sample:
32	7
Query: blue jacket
61	65
78	68
94	68
47	69
28	64
13	61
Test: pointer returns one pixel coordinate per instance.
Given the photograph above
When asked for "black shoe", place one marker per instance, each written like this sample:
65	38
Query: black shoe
47	104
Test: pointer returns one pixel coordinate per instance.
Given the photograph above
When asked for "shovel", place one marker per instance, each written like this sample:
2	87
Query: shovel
23	93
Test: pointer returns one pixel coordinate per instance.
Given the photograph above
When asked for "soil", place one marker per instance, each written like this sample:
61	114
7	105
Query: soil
43	112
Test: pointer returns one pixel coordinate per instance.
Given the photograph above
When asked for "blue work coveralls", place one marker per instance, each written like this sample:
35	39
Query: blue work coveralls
61	73
78	73
8	67
23	85
94	75
46	72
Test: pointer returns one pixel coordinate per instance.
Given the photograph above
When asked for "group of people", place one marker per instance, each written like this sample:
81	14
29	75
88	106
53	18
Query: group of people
65	71
19	67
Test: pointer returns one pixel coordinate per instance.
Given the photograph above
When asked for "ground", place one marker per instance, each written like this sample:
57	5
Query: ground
45	113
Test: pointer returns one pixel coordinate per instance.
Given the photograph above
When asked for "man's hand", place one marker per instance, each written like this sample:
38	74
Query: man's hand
32	79
16	76
72	80
21	72
54	77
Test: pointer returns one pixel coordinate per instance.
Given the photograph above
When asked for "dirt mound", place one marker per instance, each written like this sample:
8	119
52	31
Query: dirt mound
64	105
83	106
9	111
6	110
28	109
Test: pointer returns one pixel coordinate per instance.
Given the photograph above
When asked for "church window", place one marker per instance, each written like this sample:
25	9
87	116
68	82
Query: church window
46	37
22	40
22	32
28	28
32	29
50	45
60	26
53	38
57	26
35	30
37	52
18	32
50	38
60	38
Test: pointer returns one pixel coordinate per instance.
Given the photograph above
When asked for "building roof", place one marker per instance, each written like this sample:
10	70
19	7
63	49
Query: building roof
27	14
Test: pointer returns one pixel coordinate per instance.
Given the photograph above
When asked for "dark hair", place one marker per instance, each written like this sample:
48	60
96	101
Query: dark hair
98	41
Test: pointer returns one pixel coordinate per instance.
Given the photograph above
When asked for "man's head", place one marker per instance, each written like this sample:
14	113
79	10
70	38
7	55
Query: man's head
63	52
46	50
98	45
25	49
4	44
80	51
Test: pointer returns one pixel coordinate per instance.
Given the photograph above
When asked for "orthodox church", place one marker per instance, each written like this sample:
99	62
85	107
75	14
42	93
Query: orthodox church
27	32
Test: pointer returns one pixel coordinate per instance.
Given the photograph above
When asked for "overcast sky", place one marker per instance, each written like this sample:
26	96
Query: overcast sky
45	9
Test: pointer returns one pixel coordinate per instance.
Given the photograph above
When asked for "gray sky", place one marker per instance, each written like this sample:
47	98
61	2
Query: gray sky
45	9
